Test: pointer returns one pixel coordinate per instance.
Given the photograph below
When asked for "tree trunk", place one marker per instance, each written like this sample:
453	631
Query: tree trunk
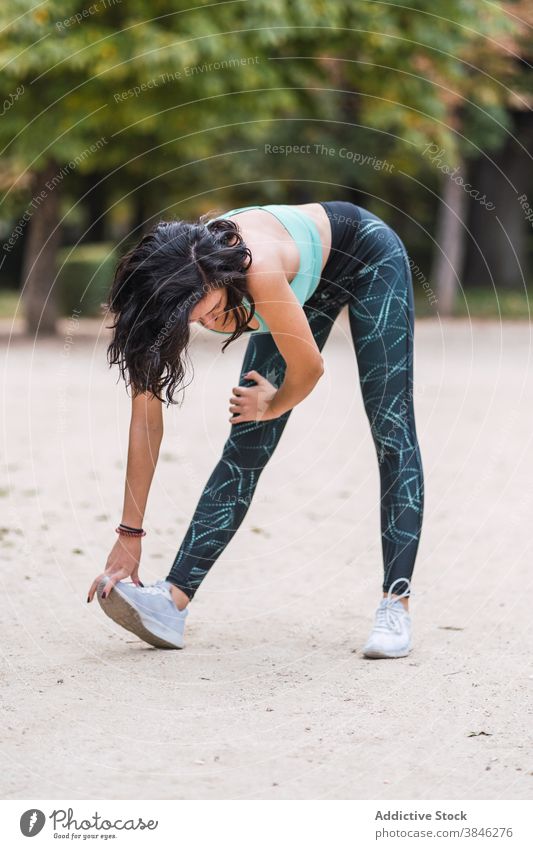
449	251
39	265
95	191
497	253
140	215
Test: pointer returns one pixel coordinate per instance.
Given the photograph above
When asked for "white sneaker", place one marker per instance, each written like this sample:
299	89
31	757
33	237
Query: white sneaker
148	612
391	634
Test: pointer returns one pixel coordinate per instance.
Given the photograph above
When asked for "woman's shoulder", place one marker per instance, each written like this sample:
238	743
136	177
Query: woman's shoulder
265	266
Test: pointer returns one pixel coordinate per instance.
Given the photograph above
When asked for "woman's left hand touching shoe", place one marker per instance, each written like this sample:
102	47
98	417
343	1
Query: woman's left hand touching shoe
253	403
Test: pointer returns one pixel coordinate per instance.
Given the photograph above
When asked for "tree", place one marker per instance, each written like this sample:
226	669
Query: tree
132	90
169	104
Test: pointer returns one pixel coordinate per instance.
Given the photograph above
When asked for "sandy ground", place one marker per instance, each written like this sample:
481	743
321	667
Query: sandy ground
271	697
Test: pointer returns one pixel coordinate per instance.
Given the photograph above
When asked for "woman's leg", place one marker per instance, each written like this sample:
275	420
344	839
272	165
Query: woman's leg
229	491
382	325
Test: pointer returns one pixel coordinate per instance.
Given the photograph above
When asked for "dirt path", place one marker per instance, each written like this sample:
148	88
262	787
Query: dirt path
271	698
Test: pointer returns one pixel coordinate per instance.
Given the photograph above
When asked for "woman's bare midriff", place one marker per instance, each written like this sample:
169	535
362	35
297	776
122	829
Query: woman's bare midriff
267	237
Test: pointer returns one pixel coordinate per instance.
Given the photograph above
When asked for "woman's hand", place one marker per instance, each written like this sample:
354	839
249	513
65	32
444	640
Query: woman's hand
123	562
252	403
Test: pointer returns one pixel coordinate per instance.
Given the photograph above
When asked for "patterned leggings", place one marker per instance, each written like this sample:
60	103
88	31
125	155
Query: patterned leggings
368	269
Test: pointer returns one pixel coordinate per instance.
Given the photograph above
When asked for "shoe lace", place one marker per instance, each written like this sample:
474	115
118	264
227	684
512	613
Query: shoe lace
388	618
390	612
156	589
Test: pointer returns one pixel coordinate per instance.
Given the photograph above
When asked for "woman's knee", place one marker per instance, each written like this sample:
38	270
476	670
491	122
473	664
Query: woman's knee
394	437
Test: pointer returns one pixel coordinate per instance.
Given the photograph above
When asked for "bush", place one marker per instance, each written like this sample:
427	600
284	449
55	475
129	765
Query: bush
84	277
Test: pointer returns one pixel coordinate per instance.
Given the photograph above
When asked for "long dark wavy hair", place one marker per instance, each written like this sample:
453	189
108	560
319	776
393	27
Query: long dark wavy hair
155	287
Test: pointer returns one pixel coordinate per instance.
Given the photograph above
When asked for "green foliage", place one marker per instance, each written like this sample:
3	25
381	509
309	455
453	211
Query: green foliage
175	90
484	303
9	303
84	277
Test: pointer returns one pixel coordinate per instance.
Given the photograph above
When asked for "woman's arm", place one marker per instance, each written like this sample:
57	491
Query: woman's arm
145	435
289	326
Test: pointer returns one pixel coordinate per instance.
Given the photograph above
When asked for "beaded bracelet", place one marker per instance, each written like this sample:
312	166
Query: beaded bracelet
127	531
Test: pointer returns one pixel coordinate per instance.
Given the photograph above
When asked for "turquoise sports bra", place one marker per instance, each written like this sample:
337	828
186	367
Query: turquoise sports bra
305	233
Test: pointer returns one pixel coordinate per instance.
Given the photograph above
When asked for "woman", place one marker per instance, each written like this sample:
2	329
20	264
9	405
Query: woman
281	273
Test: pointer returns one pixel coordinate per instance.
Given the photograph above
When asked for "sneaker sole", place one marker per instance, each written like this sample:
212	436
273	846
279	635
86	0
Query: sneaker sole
121	611
378	655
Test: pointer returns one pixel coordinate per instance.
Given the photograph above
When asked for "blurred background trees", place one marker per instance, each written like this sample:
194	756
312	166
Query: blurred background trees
116	113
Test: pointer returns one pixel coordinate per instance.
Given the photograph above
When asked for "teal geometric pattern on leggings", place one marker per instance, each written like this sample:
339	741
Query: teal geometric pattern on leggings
376	283
382	327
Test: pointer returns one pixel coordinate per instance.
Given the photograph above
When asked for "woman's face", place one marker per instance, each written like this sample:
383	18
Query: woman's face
210	308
